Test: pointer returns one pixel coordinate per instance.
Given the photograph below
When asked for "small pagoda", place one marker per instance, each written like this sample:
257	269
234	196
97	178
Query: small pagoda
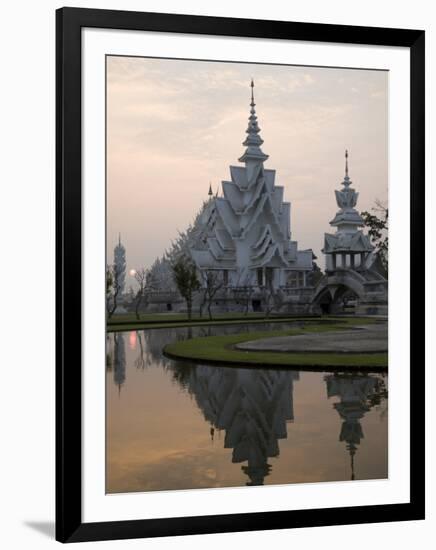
246	232
353	281
349	247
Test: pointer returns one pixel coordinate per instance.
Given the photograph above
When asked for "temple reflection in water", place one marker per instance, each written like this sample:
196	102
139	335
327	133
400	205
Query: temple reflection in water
252	408
358	393
251	405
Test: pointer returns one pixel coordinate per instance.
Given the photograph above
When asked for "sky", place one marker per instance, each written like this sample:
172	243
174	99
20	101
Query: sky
174	126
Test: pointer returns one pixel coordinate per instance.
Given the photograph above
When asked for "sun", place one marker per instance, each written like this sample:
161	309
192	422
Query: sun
132	272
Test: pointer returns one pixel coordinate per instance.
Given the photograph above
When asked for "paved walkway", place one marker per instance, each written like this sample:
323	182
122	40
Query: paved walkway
362	339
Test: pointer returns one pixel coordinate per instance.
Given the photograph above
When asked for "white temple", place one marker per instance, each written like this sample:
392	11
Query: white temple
349	246
246	233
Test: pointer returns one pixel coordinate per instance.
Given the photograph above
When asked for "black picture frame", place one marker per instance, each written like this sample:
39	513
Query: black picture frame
69	525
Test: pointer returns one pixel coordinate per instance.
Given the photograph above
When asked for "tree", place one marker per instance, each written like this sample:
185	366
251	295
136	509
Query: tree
112	289
244	290
142	277
185	277
377	225
109	284
314	276
212	283
273	298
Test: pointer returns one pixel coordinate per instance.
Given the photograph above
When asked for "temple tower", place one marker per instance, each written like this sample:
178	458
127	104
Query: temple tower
353	282
348	247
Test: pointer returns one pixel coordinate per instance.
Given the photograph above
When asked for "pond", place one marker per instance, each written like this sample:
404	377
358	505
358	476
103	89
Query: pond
179	425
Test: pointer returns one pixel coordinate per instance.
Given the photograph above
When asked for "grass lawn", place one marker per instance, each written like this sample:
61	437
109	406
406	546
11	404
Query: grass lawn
156	322
129	321
175	317
219	349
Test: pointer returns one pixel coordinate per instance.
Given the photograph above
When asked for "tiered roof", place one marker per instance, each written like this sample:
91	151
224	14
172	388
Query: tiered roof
250	215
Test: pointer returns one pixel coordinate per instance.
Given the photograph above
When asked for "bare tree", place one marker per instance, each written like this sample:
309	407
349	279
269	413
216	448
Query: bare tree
142	277
112	289
212	283
109	285
244	291
273	298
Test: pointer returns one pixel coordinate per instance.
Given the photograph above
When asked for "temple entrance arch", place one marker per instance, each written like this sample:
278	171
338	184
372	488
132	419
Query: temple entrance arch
325	302
345	300
334	298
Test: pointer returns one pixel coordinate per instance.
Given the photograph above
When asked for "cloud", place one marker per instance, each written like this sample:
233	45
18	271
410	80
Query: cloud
175	125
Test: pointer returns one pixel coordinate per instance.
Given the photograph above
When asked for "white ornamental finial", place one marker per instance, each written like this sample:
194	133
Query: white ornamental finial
253	141
347	182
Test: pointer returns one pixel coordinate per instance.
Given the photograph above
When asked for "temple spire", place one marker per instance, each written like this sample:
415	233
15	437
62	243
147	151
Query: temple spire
253	141
347	182
210	193
119	239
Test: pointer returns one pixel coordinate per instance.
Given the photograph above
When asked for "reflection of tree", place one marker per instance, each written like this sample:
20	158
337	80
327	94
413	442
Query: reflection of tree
154	341
119	361
251	405
109	354
140	361
358	393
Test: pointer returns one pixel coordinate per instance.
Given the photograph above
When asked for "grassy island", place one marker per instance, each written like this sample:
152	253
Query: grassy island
221	349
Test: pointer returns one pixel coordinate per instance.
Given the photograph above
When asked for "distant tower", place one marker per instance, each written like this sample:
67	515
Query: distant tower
210	193
120	264
348	247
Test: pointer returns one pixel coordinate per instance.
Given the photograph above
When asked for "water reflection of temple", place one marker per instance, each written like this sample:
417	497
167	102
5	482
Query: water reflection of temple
251	405
357	394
